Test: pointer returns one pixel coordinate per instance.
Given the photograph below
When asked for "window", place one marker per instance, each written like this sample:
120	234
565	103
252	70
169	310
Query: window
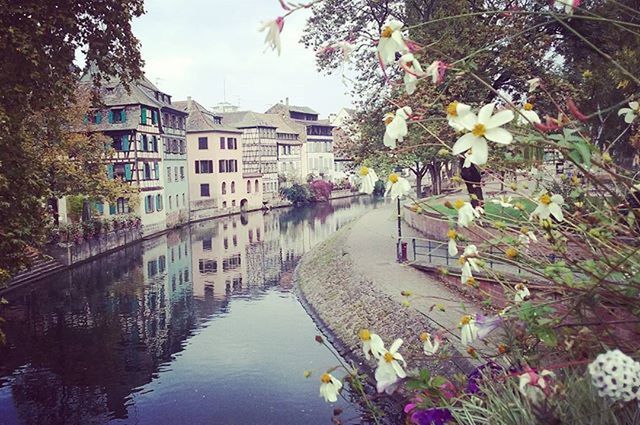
148	204
224	204
159	202
222	166
162	263
202	167
222	143
233	203
256	186
183	201
233	188
169	174
170	205
224	188
182	173
204	190
203	143
147	171
248	186
122	206
231	143
235	240
206	244
226	244
117	116
175	173
250	236
207	266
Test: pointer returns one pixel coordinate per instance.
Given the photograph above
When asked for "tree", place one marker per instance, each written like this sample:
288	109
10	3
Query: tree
38	43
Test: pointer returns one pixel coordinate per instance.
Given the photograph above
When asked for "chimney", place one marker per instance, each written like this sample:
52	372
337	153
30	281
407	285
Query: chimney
188	102
287	101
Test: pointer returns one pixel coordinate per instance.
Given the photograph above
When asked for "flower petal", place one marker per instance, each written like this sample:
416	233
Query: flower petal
464	143
480	152
498	135
484	115
556	211
395	346
501	118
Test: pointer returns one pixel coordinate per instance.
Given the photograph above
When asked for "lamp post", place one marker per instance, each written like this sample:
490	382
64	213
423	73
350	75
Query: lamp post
398	170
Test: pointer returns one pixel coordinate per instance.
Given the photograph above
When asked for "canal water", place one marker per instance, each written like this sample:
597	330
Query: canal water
198	326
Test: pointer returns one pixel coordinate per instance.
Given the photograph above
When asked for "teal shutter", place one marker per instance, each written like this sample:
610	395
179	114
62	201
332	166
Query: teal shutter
123	116
100	208
110	171
158	202
156	166
110	117
112	208
125	143
85	119
98	117
143	118
127	172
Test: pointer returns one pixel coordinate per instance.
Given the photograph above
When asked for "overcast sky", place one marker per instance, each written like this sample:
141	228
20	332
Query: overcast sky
193	47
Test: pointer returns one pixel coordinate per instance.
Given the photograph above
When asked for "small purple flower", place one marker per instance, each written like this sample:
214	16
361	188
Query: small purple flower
490	368
434	416
487	324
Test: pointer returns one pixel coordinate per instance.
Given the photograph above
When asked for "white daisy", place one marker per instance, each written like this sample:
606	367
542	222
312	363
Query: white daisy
396	126
389	370
397	186
630	113
391	41
368	179
329	388
549	205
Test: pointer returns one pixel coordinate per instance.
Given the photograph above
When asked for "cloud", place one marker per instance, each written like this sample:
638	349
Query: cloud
198	48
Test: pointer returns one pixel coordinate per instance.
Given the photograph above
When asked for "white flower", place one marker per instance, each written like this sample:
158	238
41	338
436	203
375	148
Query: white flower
456	111
616	375
397	186
483	127
436	71
549	205
468	330
466	212
371	343
528	115
504	202
368	179
396	126
534	83
391	41
469	261
430	347
453	248
389	370
533	384
631	112
568	5
467	158
412	71
522	293
273	28
329	388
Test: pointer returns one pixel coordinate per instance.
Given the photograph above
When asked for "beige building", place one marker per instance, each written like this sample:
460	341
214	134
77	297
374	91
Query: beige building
217	182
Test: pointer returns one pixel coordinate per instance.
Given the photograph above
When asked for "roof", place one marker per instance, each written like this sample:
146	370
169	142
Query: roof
302	109
201	119
247	119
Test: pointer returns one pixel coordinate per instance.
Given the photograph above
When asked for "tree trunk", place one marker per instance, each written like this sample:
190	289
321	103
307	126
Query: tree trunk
436	181
419	185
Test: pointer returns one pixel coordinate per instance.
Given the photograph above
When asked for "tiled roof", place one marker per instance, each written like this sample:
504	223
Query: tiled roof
302	109
200	119
247	119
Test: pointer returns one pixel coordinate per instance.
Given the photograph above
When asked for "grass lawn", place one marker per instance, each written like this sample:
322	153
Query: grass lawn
494	211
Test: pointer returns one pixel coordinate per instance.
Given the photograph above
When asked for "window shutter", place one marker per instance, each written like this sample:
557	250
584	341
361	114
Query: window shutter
143	118
125	143
123	115
155	143
110	171
85	119
98	117
197	167
112	208
145	143
110	117
100	208
127	172
156	166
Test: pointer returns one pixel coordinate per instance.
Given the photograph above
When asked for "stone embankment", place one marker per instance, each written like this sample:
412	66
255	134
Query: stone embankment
352	281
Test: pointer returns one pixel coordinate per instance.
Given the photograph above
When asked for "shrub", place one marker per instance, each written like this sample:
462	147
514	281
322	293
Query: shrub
297	193
321	190
379	188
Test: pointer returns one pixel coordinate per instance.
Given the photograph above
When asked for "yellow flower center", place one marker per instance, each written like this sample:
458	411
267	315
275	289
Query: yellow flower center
462	260
393	178
452	234
452	109
424	336
465	320
545	199
388	357
511	252
325	378
386	32
459	203
471	281
364	171
364	335
519	287
524	230
479	130
388	118
527	106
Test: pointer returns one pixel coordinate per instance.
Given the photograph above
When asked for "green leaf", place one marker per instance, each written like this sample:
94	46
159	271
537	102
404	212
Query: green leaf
547	336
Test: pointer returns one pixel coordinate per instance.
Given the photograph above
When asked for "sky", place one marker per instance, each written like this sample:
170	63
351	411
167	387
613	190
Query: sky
206	48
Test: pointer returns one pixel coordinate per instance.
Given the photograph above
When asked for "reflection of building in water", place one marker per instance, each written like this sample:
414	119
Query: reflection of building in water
263	252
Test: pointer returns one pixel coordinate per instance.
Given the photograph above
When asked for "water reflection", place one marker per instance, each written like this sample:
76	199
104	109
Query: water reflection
129	337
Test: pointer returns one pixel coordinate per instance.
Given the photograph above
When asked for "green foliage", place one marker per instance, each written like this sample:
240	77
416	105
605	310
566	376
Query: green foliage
379	188
39	158
297	193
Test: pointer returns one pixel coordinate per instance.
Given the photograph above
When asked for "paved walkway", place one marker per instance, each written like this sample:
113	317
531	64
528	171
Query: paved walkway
371	243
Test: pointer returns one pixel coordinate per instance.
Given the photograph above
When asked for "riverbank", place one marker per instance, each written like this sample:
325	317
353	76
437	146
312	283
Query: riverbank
352	281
